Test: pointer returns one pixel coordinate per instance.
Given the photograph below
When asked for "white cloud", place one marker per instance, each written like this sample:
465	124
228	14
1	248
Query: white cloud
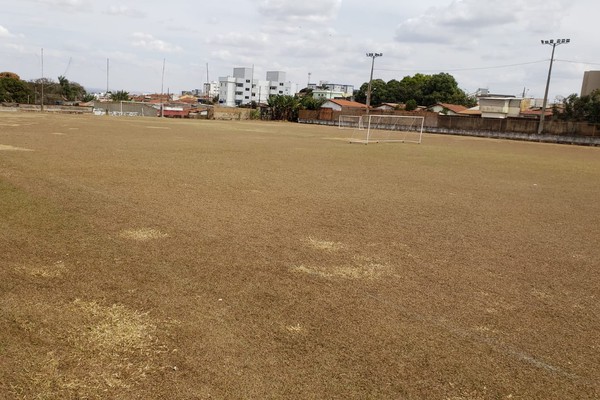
242	40
125	11
469	19
307	11
148	42
4	33
80	5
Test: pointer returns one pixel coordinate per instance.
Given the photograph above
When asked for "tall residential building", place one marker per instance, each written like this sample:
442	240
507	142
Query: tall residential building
242	88
591	82
211	90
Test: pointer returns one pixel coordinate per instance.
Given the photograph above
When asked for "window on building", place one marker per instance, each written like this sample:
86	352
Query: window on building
239	84
281	92
247	97
239	93
247	80
273	87
247	89
280	83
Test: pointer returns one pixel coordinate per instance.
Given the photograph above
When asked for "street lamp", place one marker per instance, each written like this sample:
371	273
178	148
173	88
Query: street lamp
552	43
373	57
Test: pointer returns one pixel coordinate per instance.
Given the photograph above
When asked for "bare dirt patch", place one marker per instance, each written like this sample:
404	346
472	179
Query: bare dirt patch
55	270
324	244
142	234
358	268
112	348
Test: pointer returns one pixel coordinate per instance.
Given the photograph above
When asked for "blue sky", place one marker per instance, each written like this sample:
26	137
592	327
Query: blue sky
482	43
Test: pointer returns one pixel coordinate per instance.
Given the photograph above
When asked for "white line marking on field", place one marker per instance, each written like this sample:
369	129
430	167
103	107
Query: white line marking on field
495	344
7	147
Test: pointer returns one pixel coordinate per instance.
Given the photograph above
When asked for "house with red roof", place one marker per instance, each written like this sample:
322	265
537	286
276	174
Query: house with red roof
447	108
339	105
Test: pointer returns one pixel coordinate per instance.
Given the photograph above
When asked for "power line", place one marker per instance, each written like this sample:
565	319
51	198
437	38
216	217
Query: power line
578	62
463	69
484	68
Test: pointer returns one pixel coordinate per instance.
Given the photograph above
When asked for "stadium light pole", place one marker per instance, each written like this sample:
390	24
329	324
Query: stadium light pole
552	43
373	57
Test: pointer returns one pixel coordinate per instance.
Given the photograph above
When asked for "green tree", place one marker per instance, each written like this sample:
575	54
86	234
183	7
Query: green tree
424	89
584	108
411	105
284	107
120	95
13	89
88	97
71	91
308	102
379	93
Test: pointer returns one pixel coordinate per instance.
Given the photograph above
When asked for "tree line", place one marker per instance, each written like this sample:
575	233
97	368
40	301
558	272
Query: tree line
420	89
15	90
580	108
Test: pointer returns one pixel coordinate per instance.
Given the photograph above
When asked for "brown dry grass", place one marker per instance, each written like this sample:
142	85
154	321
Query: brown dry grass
204	259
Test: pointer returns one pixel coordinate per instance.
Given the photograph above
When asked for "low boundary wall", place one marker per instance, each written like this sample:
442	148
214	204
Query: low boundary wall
562	132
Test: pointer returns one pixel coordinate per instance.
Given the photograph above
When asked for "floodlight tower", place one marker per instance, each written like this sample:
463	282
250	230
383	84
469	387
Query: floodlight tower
373	57
552	43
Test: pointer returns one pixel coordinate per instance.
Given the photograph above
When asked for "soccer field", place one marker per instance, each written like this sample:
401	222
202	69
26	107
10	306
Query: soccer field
182	259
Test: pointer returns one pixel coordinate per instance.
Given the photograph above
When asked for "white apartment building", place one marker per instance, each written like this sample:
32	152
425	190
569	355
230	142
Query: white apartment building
328	90
211	90
242	88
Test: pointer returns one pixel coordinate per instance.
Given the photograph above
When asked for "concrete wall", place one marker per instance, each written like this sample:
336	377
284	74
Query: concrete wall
230	113
54	108
507	128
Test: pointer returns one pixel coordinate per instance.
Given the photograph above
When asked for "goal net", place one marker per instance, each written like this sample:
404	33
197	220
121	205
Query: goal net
126	109
352	122
388	128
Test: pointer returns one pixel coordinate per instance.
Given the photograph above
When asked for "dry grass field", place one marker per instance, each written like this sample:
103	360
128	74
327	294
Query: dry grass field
173	259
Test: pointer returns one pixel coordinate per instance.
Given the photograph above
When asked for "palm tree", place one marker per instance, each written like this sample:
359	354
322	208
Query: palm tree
120	95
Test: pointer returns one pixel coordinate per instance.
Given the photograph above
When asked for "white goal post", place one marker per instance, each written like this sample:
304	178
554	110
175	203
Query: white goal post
383	128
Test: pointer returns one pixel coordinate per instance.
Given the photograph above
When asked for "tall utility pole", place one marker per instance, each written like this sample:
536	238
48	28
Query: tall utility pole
373	57
207	86
552	43
42	101
107	74
162	85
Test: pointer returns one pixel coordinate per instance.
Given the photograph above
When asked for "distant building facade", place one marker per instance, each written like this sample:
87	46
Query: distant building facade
499	107
242	88
591	82
326	90
210	90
